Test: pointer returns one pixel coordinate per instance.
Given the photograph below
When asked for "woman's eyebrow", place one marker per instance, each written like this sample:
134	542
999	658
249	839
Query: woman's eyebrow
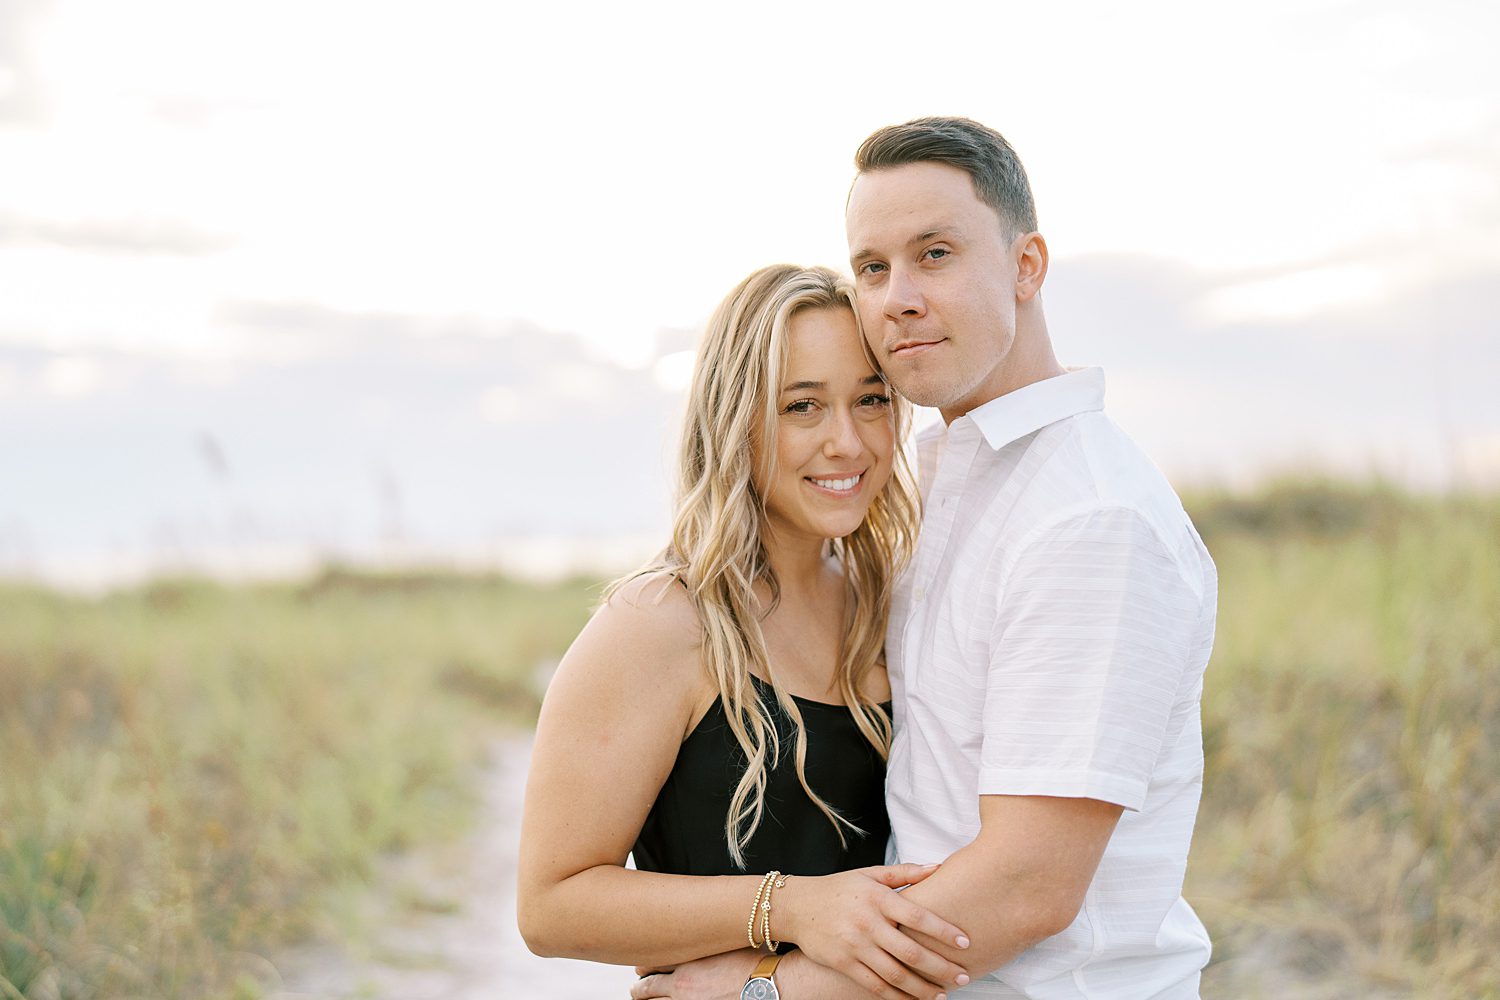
807	384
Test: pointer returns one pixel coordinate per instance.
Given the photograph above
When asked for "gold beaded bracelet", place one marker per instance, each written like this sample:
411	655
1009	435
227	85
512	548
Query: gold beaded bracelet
765	911
761	895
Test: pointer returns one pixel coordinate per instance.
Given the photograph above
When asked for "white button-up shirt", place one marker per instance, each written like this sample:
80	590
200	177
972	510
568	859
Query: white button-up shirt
1050	639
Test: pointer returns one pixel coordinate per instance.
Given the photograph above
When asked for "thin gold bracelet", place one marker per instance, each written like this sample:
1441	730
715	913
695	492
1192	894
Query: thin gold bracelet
765	911
755	909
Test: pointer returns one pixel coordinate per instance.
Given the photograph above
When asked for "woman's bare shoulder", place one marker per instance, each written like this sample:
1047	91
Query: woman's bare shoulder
645	632
653	607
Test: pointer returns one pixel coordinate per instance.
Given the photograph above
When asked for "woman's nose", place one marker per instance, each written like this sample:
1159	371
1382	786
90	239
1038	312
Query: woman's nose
843	436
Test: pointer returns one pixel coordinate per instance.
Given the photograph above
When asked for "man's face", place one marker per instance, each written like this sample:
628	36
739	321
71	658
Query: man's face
936	283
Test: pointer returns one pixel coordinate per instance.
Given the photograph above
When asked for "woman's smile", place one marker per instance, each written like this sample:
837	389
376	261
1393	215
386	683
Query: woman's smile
841	485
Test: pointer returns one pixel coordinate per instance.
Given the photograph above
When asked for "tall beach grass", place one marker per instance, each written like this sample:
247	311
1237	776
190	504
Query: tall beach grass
191	773
1349	840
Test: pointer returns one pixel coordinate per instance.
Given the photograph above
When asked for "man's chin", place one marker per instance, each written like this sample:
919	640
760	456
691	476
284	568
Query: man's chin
925	394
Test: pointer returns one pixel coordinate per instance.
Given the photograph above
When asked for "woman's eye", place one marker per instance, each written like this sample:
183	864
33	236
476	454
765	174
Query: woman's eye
874	399
800	406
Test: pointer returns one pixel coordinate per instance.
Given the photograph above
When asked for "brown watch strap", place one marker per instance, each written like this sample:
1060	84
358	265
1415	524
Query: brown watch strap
765	967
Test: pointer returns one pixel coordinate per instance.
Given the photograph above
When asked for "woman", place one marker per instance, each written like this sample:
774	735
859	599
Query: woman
723	714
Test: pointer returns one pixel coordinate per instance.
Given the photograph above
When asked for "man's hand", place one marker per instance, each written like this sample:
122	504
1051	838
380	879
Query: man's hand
718	977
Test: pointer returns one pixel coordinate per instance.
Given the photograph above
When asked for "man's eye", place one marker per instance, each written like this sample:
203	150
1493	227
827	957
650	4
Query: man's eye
937	253
871	268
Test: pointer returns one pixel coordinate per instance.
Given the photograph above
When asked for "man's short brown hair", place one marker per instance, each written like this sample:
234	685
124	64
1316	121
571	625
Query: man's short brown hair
981	152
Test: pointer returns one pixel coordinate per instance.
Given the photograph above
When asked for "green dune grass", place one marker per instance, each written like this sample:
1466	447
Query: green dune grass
192	774
1349	841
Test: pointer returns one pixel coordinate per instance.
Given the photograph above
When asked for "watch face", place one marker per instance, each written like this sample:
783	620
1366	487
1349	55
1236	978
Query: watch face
759	989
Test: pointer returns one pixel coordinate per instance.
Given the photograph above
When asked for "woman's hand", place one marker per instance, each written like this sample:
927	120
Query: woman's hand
852	923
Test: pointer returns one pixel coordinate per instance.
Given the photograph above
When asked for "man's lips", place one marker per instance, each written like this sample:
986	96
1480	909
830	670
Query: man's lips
911	348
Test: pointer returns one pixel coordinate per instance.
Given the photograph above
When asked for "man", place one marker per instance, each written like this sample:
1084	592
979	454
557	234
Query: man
1047	646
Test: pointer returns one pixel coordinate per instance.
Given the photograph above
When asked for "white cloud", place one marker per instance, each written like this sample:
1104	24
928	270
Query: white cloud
1291	296
674	372
501	404
65	299
576	381
72	376
615	181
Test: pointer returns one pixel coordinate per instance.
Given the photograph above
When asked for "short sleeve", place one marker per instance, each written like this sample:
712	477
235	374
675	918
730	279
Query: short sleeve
1091	642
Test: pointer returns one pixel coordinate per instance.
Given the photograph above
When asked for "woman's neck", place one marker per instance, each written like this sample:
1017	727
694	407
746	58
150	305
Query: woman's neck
801	567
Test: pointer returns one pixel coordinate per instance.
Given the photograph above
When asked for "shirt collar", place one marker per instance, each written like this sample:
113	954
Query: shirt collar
1018	413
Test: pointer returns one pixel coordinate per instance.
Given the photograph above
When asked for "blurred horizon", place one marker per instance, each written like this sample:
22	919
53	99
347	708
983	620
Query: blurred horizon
252	473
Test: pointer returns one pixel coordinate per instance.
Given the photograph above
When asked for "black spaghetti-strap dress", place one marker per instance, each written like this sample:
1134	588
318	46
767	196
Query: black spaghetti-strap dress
684	831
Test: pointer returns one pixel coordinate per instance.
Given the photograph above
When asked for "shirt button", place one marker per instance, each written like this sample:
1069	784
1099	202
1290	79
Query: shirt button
920	593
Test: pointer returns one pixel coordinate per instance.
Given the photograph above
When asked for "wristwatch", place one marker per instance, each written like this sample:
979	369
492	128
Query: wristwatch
761	986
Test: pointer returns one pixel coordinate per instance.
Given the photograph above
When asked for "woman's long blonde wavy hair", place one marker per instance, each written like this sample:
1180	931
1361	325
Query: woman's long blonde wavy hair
717	551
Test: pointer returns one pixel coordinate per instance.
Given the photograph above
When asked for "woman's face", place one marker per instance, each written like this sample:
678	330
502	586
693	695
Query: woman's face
834	430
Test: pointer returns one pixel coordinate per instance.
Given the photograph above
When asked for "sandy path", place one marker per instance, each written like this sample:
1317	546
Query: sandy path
473	951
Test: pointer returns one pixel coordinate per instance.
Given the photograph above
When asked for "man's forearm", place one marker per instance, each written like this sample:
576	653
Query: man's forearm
1000	932
800	978
1022	880
1000	922
1004	910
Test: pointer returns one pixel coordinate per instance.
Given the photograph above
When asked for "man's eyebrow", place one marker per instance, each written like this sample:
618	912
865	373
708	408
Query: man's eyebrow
922	237
943	232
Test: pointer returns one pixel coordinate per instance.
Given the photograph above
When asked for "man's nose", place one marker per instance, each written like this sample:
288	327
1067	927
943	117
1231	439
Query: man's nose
903	299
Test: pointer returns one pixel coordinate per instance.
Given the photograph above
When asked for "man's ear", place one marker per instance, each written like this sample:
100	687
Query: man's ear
1031	266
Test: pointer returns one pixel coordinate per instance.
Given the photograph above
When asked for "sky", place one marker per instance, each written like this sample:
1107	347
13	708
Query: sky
287	281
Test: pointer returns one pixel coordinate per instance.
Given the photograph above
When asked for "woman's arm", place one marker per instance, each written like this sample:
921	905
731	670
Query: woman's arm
613	719
622	701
